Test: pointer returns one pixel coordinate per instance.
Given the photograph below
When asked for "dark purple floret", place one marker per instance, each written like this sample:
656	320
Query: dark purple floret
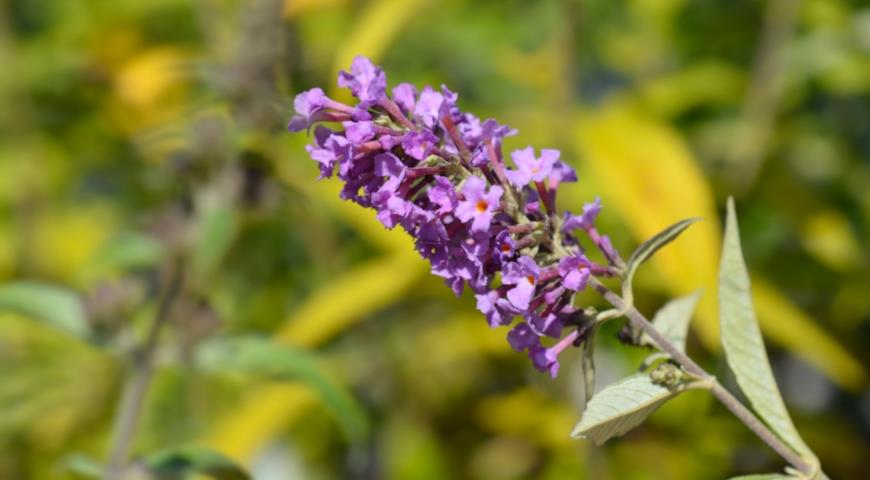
439	173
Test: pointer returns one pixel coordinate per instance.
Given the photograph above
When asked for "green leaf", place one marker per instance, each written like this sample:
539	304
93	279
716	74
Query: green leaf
744	347
672	320
651	246
216	233
620	407
131	250
55	306
83	466
263	358
179	464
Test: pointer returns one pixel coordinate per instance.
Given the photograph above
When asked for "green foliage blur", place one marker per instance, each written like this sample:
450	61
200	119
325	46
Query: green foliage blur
142	141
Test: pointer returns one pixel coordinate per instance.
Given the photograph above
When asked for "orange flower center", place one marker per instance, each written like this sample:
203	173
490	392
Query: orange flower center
481	205
531	279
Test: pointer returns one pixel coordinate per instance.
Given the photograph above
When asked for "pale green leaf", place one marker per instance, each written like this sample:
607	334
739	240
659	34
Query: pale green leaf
181	463
216	233
741	339
83	466
131	250
652	245
672	320
620	407
50	304
271	360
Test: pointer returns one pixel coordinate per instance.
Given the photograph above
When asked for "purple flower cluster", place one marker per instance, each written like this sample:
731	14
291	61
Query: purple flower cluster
439	173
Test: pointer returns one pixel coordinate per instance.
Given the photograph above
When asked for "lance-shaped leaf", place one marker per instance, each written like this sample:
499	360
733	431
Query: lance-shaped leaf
744	347
651	246
672	320
268	359
620	407
50	304
182	463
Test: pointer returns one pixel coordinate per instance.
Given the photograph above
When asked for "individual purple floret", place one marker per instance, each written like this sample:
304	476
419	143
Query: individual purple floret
478	204
439	173
531	169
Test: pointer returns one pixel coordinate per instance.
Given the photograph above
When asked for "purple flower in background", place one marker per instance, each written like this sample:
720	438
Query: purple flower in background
439	173
366	82
531	169
478	205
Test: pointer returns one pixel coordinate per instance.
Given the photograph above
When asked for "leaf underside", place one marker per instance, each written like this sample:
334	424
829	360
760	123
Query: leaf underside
743	344
672	320
620	407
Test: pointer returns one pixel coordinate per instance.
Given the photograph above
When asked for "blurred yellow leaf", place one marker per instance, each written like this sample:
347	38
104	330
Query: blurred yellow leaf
648	175
787	325
827	236
411	450
293	8
376	28
645	171
528	414
148	87
541	70
64	240
339	304
261	415
349	298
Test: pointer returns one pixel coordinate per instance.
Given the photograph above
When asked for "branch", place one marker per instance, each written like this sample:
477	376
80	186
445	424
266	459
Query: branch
136	387
640	322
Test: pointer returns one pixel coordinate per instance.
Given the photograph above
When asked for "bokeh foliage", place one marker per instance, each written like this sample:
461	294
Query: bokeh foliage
134	134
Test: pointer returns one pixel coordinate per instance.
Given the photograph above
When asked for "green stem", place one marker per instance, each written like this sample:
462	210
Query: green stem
138	382
724	396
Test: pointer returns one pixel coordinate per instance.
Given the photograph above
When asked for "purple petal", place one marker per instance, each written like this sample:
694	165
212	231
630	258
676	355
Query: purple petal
521	295
521	338
405	96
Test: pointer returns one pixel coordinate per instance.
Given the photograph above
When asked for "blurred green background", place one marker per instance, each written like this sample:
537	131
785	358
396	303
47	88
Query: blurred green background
145	139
